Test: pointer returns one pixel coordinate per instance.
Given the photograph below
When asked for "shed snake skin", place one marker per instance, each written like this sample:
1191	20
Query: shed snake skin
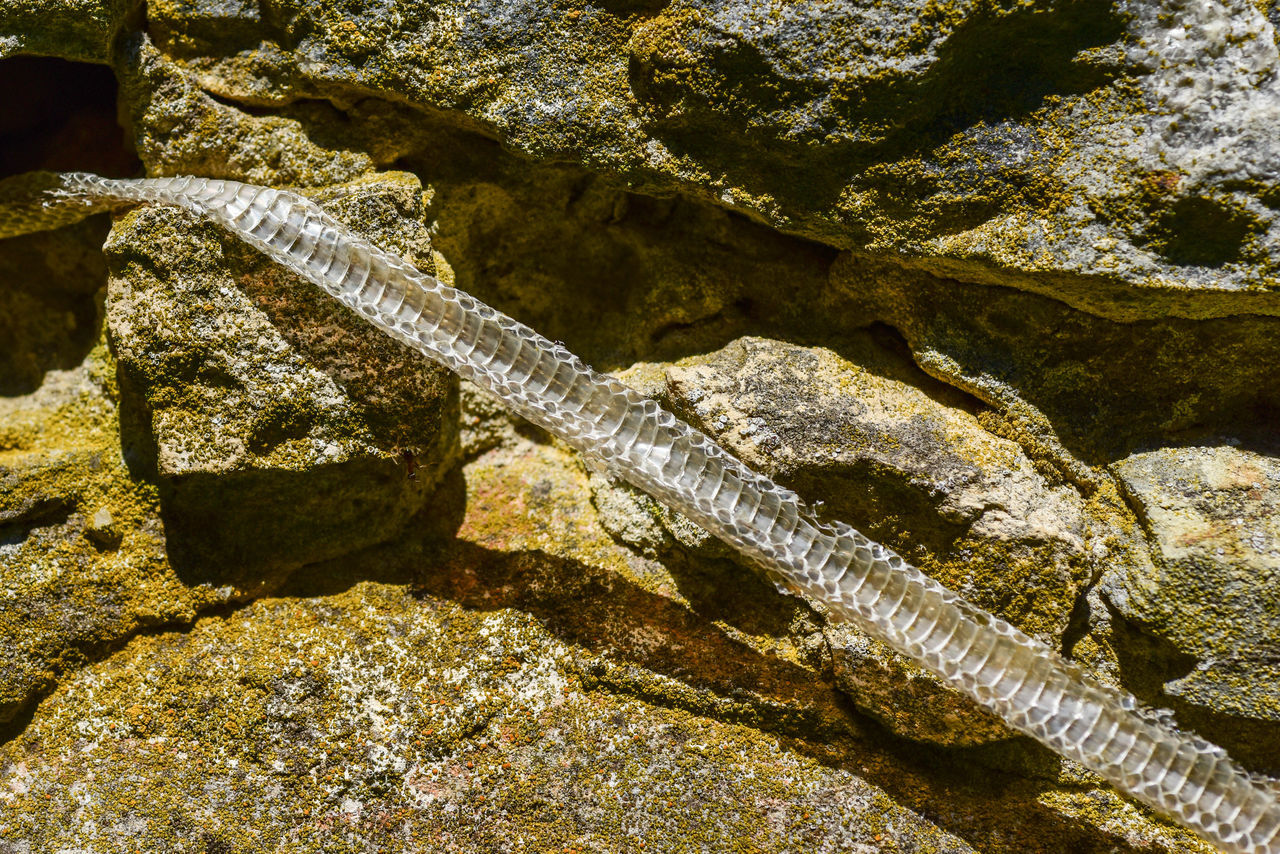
1022	680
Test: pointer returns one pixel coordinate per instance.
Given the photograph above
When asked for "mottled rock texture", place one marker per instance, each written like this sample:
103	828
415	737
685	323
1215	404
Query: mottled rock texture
1212	594
280	425
994	281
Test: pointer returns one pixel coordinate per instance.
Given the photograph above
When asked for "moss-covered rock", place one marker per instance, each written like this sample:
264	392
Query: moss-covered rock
908	463
282	428
1211	599
81	30
83	563
1061	213
1068	148
374	719
528	684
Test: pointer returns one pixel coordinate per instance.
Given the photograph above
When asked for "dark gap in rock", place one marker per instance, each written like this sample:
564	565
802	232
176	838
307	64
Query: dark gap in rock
889	339
620	276
60	115
627	8
55	115
1079	623
247	106
45	512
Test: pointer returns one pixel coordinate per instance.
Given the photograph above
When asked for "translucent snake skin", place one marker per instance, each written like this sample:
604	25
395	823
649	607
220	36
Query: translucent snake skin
1029	685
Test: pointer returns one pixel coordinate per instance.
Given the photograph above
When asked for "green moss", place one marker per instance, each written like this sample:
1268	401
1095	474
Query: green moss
88	568
80	30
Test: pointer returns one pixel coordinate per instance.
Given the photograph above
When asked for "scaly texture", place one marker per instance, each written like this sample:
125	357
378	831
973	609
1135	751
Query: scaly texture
1025	682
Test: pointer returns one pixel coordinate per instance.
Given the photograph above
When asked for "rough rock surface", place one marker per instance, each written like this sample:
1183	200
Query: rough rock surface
1114	156
997	282
281	427
82	547
405	725
1213	593
527	684
908	463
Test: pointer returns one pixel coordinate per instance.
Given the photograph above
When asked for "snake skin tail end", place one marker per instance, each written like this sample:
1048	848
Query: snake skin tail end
43	201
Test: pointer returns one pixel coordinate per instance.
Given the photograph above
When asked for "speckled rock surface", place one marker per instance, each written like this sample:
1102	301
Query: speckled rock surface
82	547
527	686
1116	156
995	282
443	728
1213	593
282	428
908	463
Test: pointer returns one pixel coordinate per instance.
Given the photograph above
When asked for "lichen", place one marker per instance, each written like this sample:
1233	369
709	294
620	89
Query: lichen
984	218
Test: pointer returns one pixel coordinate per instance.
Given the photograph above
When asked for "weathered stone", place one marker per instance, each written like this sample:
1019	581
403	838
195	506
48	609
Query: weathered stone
1073	149
443	728
73	585
49	303
179	129
1212	596
82	30
1063	212
542	688
1075	390
908	463
283	428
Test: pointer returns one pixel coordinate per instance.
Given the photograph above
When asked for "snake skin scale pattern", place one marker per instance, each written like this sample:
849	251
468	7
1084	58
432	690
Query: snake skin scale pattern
1022	680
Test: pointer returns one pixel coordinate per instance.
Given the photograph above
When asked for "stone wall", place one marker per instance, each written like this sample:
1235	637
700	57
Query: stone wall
996	282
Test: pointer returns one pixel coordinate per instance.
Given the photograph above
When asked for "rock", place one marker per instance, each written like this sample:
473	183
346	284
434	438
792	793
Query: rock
910	465
102	530
81	30
1062	213
443	727
283	428
907	699
1064	380
82	547
1067	149
49	306
1212	596
181	130
540	682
